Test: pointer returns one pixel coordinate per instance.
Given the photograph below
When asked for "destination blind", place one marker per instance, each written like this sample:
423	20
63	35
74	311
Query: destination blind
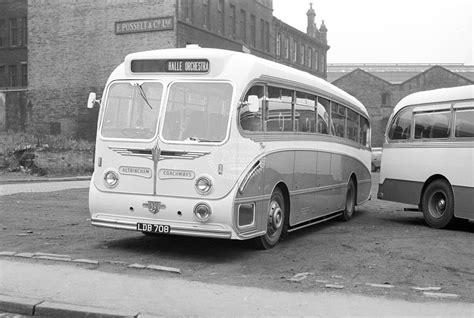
170	66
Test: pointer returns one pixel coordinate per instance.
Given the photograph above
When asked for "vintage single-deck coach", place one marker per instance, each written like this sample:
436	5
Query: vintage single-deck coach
222	144
428	155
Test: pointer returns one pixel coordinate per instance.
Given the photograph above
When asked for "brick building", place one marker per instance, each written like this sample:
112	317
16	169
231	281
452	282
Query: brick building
74	45
381	92
13	64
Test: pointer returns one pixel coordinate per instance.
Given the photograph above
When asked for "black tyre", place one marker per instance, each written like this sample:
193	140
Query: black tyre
277	222
438	204
349	206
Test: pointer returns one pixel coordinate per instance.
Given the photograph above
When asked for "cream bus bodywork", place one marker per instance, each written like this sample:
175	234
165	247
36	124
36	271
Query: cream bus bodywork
435	151
159	178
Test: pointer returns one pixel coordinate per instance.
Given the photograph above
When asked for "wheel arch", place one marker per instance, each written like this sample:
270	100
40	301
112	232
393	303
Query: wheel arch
281	185
286	194
427	182
353	177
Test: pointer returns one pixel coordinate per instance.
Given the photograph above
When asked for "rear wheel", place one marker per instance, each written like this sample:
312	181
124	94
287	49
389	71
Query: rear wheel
349	207
438	204
276	222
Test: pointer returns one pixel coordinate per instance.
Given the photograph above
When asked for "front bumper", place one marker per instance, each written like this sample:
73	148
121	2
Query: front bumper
176	228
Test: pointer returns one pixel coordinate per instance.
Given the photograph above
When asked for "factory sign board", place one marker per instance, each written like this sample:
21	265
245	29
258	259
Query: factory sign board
144	25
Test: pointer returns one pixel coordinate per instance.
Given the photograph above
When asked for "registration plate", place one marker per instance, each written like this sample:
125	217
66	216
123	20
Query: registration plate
153	228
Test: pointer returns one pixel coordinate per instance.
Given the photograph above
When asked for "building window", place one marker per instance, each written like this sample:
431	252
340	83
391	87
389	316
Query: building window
221	10
188	7
267	36
24	31
12	76
278	45
316	60
206	12
233	20
309	57
2	76
14	32
321	63
54	128
253	30
3	33
24	74
302	52
262	34
243	25
287	47
295	51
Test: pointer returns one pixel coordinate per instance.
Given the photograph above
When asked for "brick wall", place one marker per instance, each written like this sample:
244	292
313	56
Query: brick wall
368	89
72	50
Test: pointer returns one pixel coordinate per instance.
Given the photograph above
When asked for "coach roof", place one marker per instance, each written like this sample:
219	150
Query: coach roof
242	66
441	95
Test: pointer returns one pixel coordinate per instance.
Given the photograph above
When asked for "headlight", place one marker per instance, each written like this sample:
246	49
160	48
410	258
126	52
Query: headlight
202	212
111	179
203	185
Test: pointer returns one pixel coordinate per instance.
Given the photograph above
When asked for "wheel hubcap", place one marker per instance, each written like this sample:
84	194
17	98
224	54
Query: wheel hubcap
438	204
275	218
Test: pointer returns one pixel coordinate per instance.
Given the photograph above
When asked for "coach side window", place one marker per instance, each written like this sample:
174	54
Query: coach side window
364	131
305	117
323	110
338	117
401	125
432	125
464	127
279	116
352	128
252	121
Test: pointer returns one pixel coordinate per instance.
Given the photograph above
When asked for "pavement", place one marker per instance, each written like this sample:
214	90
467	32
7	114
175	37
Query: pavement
52	288
64	290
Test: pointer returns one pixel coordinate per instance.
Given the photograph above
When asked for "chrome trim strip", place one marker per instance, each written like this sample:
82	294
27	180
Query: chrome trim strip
249	175
252	199
249	235
315	221
162	154
318	189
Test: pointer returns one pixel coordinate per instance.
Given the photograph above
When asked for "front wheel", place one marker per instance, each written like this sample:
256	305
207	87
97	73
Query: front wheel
438	204
349	206
276	222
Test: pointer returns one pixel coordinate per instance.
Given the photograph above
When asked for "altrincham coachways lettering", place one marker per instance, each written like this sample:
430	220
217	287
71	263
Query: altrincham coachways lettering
175	174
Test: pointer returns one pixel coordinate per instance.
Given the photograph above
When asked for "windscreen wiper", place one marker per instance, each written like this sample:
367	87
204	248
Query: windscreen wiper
142	94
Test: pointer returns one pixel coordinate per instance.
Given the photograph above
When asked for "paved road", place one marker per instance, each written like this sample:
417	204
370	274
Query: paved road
6	189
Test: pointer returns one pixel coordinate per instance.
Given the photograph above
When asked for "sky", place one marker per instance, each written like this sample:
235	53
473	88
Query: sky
389	31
